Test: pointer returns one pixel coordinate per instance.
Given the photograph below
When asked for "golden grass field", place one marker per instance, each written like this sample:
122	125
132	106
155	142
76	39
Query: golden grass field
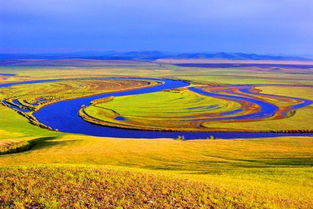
40	168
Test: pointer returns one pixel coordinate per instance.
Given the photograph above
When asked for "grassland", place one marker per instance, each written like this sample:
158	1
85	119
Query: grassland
255	173
28	95
77	171
184	110
297	121
166	110
252	75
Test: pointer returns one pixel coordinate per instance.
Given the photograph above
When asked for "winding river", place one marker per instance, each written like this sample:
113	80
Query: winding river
64	116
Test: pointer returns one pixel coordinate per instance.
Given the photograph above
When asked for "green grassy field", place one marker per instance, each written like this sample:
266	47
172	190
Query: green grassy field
47	169
168	110
182	110
255	173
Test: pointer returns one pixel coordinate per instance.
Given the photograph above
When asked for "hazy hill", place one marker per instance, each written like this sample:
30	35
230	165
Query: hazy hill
148	56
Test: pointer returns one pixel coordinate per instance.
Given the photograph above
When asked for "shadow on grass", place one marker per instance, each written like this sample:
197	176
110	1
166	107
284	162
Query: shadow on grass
34	144
43	142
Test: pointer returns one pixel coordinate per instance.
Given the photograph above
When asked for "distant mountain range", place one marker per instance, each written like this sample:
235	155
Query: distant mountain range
148	56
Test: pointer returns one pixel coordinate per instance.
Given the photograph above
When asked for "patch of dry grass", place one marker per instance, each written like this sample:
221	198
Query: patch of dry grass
79	187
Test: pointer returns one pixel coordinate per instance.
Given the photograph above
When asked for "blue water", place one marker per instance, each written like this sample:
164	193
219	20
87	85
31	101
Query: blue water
305	102
233	112
15	107
266	109
38	101
7	74
120	118
15	101
64	116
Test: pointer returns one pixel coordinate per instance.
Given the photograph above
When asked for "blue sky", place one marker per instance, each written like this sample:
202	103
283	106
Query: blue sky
252	26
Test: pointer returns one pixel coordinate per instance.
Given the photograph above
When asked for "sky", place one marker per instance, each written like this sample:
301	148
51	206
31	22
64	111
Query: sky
249	26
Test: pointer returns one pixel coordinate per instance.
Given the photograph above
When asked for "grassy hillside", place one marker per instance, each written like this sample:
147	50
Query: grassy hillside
47	169
255	173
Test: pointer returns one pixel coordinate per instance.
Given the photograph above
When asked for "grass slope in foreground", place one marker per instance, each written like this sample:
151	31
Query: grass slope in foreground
82	171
